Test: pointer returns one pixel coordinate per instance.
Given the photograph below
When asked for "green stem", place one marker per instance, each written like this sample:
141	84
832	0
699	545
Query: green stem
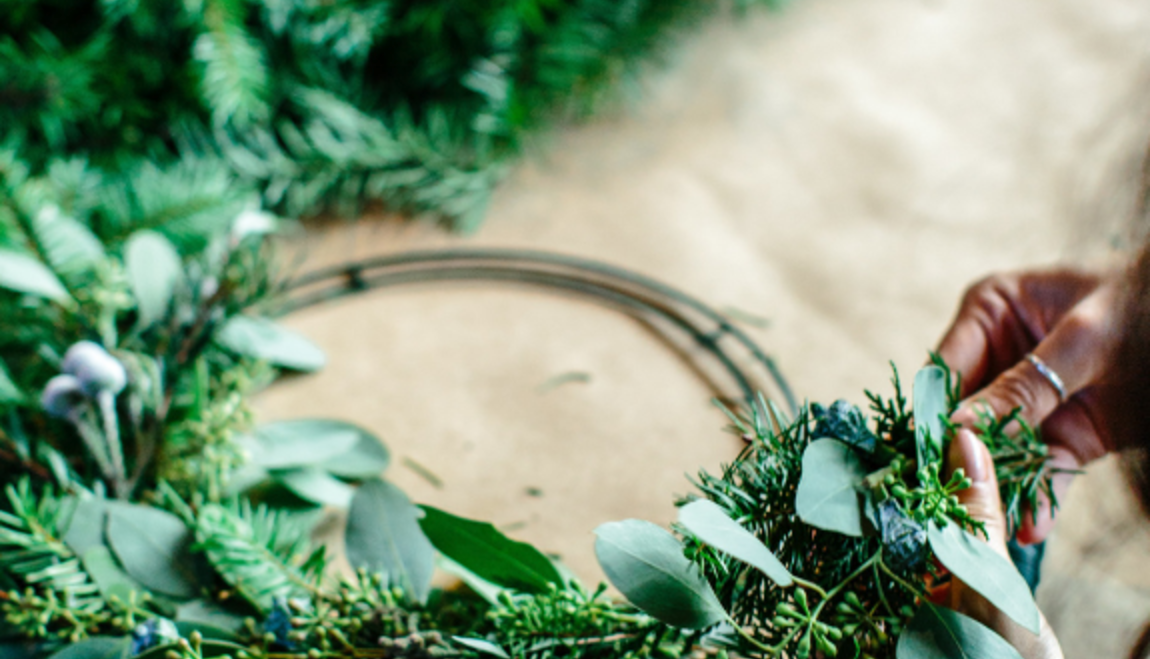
810	585
751	639
902	582
107	402
95	444
882	592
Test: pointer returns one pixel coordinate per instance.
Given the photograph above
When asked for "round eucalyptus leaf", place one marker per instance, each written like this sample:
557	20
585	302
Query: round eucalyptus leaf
300	443
155	548
647	565
154	271
110	578
207	615
317	486
828	492
383	535
263	339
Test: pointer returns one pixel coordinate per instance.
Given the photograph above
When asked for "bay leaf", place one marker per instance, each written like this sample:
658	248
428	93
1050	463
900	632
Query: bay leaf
828	496
481	548
383	535
711	524
647	565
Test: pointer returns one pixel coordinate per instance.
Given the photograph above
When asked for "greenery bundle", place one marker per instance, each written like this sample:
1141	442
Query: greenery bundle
419	104
145	514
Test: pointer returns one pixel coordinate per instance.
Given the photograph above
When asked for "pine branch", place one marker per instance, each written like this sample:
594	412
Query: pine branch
257	550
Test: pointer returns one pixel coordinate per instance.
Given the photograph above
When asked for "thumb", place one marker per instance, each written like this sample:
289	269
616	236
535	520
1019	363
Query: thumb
981	499
982	502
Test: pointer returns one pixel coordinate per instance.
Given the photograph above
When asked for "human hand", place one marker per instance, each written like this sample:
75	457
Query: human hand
1068	319
982	502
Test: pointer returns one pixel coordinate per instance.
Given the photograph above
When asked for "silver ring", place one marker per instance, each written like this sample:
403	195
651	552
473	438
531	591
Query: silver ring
1048	373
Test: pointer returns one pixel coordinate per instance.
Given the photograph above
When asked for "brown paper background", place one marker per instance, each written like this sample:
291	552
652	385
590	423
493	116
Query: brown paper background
842	169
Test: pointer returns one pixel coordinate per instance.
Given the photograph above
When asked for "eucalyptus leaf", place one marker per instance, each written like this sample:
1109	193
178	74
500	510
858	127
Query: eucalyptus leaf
479	547
205	613
9	392
110	578
208	631
940	633
340	448
828	492
24	274
86	528
208	648
368	458
647	565
21	649
155	548
992	575
316	486
263	339
97	647
712	525
929	409
383	535
481	646
154	271
301	443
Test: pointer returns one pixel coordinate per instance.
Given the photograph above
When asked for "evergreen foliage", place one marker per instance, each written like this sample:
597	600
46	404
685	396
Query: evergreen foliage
146	515
316	104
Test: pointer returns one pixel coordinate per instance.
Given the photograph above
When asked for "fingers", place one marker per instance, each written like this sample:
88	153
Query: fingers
1076	350
1003	317
981	499
986	327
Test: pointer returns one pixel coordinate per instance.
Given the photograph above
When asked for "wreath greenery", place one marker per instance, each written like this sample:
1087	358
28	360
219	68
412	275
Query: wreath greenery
142	513
420	104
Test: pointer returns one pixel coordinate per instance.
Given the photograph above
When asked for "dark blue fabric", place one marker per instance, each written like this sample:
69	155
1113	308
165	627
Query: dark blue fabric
1028	560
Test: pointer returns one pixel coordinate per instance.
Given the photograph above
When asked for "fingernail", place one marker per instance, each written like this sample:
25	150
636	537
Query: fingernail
967	452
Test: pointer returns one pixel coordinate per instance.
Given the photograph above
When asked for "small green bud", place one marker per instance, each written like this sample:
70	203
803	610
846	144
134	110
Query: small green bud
804	649
786	609
801	598
826	647
899	491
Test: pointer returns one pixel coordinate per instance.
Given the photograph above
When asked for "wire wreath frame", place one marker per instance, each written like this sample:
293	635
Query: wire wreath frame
713	339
